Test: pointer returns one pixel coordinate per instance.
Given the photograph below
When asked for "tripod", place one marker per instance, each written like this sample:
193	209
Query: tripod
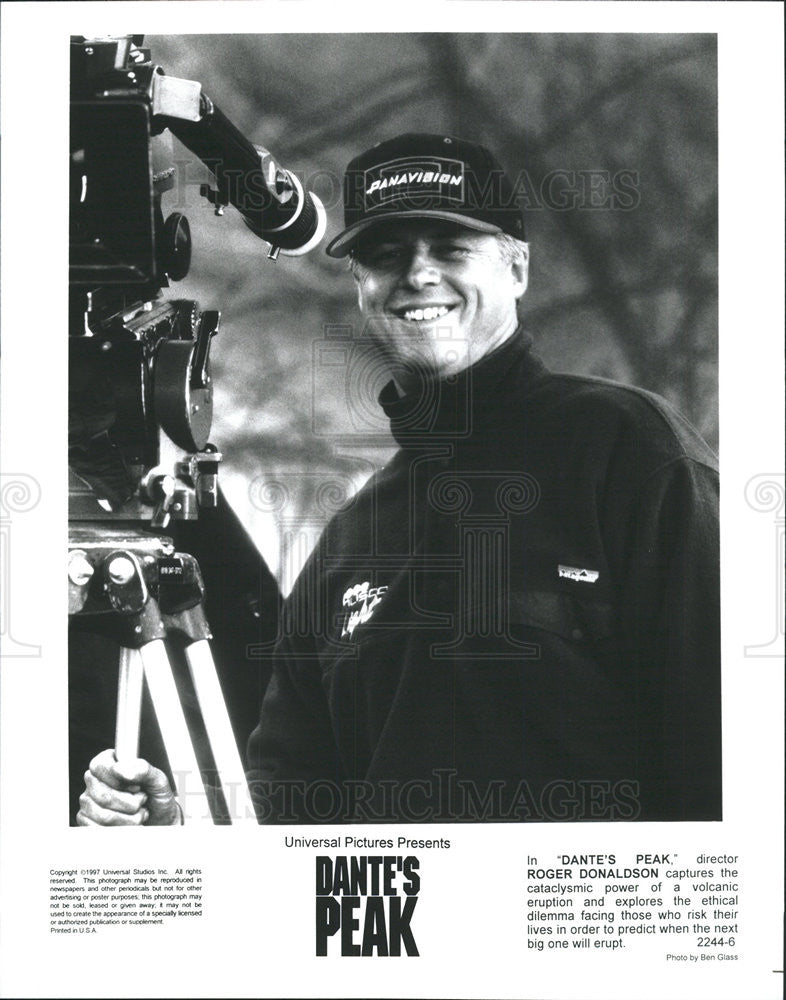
147	592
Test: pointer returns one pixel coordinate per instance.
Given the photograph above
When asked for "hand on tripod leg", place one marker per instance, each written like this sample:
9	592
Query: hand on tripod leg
131	793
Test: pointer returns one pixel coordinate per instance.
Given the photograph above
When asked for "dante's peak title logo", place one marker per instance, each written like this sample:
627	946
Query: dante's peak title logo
370	901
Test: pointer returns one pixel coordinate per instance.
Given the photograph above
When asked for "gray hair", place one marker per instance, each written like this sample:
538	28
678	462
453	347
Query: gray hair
511	249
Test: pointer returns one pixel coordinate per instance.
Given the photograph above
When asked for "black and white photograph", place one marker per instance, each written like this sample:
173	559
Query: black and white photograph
516	615
422	511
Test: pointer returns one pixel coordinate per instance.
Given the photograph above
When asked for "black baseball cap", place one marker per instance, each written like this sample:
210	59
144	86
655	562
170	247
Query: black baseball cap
424	176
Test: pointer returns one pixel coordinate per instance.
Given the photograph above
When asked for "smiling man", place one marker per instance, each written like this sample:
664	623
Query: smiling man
518	617
455	303
436	291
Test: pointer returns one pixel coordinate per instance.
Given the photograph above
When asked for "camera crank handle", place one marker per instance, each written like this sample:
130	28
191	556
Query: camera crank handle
208	328
158	488
161	515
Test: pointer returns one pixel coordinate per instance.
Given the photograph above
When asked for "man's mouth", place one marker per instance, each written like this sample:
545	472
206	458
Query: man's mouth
421	313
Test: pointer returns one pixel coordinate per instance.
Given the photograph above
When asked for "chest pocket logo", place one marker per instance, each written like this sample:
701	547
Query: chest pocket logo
360	602
579	574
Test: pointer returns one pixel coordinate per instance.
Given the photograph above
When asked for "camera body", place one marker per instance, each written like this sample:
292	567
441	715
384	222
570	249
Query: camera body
140	390
140	403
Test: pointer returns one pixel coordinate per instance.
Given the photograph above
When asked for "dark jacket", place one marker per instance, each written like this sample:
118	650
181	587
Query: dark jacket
518	618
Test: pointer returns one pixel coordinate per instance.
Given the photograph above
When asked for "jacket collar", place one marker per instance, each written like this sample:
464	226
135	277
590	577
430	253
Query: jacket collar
461	406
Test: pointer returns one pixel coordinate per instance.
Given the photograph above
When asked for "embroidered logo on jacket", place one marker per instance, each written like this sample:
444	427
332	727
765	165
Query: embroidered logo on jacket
576	573
360	601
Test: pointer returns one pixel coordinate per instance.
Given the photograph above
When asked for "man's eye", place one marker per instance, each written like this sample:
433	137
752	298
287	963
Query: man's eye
451	251
381	256
395	255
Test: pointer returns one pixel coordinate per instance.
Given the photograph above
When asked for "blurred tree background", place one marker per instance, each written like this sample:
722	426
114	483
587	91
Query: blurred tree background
612	140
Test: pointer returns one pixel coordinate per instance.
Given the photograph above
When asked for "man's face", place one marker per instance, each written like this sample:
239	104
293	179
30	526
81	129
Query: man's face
435	296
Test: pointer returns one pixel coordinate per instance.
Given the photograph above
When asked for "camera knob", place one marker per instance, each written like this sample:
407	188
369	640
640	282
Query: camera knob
120	570
183	390
80	570
175	247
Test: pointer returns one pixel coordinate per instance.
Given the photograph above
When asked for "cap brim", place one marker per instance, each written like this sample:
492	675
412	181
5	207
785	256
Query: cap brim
344	242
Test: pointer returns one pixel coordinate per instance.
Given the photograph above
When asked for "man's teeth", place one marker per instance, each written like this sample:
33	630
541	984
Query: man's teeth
430	312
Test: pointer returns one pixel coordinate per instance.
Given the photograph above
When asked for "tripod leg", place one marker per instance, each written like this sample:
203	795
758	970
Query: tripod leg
129	704
174	730
219	732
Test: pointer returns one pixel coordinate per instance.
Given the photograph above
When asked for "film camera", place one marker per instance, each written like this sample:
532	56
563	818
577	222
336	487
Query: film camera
140	390
141	398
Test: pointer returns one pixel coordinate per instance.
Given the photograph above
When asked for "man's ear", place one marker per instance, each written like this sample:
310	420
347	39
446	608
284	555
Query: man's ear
520	271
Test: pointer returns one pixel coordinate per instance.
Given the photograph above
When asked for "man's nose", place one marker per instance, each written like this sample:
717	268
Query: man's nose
422	270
